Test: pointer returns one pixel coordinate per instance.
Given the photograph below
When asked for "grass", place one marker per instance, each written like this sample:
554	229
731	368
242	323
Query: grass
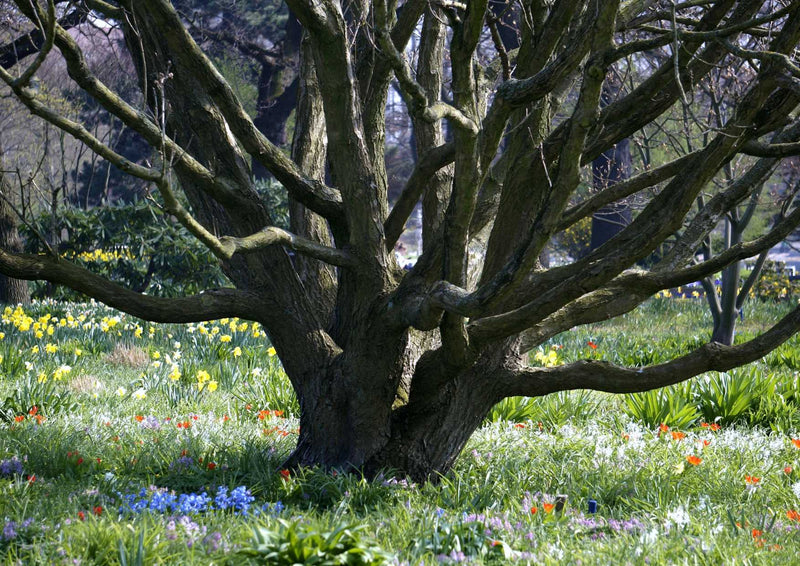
95	474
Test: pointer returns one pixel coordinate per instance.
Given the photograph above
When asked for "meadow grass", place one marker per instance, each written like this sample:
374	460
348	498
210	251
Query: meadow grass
162	444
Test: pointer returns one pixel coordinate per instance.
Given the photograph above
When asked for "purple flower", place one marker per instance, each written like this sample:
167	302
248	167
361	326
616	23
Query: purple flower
11	467
212	541
10	530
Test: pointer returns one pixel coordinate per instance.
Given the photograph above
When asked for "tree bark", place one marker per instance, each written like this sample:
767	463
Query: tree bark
12	291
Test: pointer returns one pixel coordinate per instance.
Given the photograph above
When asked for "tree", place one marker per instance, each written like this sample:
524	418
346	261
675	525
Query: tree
396	368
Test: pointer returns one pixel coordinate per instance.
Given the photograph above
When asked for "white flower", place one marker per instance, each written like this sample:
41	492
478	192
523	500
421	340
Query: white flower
121	391
796	489
679	517
140	393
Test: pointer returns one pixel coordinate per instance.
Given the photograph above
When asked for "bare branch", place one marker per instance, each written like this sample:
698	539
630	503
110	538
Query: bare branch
48	28
427	166
209	305
621	190
417	99
273	235
314	194
32	42
604	376
33	102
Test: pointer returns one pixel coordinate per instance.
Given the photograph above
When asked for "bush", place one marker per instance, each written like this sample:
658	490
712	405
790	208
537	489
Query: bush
128	245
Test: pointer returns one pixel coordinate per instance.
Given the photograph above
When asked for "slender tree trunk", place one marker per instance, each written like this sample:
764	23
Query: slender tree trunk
12	291
608	169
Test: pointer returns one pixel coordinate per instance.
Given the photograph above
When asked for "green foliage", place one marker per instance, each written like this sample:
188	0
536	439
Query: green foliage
35	397
552	410
133	245
730	397
297	542
652	502
270	390
276	200
671	406
458	538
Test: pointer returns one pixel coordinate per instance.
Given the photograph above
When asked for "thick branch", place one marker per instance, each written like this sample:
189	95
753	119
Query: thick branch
209	305
415	95
760	149
425	168
272	235
313	194
604	376
622	190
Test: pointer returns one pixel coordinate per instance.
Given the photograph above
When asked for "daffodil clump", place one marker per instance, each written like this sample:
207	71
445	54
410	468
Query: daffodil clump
548	358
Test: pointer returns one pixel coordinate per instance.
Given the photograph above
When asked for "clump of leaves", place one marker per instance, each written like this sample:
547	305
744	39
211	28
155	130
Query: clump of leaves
37	397
671	406
300	543
731	397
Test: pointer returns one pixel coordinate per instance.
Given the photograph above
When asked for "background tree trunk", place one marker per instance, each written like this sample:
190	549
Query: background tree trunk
12	291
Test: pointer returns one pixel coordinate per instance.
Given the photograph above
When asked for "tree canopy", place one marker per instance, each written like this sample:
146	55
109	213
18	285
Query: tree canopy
396	367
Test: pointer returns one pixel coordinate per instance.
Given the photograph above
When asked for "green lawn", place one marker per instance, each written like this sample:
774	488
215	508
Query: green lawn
162	445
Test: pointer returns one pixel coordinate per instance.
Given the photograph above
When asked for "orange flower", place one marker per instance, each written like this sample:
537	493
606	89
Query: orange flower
81	516
19	418
756	533
678	435
626	437
752	480
705	442
694	460
285	474
263	414
534	510
139	418
519	425
33	410
592	345
277	413
793	515
796	442
662	428
714	426
211	465
98	510
704	424
548	507
787	470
